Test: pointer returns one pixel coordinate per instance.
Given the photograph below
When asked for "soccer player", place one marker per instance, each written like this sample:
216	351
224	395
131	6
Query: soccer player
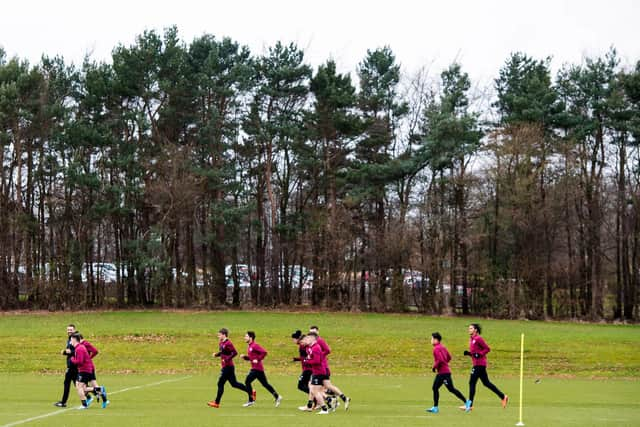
71	374
478	349
305	376
331	388
101	391
86	381
441	359
316	361
255	355
226	352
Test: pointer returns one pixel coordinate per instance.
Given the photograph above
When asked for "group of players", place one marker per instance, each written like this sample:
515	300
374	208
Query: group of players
81	371
478	349
314	381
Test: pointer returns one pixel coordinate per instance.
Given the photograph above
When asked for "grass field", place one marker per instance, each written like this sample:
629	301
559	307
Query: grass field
159	371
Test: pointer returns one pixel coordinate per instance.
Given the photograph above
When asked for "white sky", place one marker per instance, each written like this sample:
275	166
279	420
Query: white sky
478	33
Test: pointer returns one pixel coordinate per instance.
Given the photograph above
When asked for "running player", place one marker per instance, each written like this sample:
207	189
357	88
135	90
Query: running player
478	349
330	387
86	381
441	359
226	352
255	355
315	360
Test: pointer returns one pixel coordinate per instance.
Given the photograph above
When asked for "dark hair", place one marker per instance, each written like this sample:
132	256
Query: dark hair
476	326
314	327
79	335
72	325
312	334
297	334
224	331
76	337
437	336
251	334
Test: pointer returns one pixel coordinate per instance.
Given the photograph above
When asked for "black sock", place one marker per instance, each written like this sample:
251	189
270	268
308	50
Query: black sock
84	403
324	408
310	404
343	397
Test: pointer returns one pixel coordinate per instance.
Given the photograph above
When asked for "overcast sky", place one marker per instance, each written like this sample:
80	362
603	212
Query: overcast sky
478	33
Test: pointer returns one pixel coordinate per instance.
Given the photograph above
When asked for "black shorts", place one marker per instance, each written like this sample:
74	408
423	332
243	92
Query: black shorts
86	377
318	379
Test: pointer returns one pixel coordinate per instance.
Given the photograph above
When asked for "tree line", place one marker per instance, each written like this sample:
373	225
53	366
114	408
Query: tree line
397	191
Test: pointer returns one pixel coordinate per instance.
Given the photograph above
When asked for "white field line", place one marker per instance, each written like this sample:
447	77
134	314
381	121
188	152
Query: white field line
51	414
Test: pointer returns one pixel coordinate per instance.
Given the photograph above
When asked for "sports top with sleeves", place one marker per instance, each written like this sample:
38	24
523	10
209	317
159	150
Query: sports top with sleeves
93	352
302	351
316	359
477	345
82	360
227	352
441	359
256	354
71	349
326	351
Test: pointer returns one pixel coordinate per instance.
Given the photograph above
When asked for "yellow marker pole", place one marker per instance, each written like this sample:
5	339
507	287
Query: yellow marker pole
520	423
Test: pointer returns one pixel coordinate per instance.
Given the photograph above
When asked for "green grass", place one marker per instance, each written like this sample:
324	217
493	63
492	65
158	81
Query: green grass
590	374
377	401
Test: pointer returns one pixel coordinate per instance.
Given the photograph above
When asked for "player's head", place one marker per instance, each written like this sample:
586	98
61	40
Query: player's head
314	329
436	338
75	339
250	336
311	338
223	334
297	336
475	329
71	329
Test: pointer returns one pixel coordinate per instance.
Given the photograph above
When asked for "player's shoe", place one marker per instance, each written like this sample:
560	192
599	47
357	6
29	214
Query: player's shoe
60	404
505	401
347	402
213	404
82	407
323	412
336	403
433	410
253	395
105	403
467	407
89	401
278	400
305	409
249	403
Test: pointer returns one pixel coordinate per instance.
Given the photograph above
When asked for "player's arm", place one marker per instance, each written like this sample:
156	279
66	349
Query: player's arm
262	353
484	347
93	352
437	361
78	358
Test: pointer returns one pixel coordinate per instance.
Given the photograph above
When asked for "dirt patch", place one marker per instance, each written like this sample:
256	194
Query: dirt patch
151	338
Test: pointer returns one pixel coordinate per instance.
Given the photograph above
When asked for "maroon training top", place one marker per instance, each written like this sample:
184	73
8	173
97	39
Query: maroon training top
441	359
326	350
256	352
316	359
302	351
477	345
93	352
82	360
227	352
